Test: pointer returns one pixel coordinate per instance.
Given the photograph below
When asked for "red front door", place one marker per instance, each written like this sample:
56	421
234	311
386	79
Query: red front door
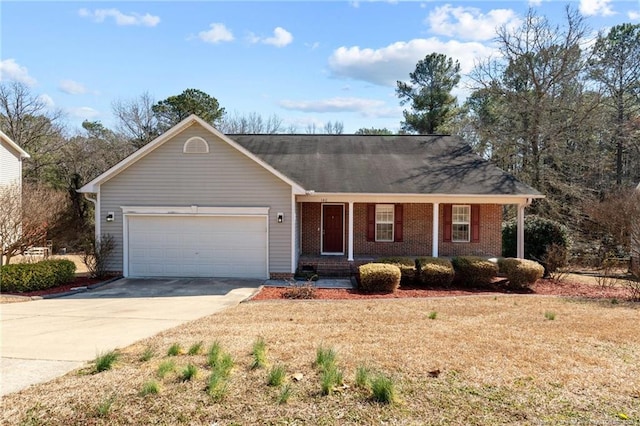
332	228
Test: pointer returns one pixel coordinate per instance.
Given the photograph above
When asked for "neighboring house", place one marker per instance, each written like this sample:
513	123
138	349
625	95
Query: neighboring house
11	156
196	202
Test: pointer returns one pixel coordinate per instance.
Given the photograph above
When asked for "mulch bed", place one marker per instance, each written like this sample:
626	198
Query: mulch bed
78	282
541	287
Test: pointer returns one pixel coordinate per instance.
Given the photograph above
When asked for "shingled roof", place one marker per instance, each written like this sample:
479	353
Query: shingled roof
426	164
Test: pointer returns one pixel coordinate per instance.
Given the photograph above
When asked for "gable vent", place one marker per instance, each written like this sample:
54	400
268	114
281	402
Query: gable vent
195	145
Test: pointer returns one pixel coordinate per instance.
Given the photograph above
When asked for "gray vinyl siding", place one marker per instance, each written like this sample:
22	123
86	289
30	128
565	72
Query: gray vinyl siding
224	177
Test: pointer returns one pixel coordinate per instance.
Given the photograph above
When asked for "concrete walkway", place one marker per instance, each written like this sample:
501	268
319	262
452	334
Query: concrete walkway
44	339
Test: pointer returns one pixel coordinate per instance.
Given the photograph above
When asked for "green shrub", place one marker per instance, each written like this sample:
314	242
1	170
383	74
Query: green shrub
521	273
474	271
25	277
539	235
379	278
150	388
105	361
435	271
174	350
189	373
383	389
259	353
276	375
407	267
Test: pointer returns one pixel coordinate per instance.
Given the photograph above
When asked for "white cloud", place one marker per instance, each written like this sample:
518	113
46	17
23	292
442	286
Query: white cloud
217	33
333	105
596	7
386	65
11	70
469	23
634	15
46	100
280	38
121	19
84	113
72	87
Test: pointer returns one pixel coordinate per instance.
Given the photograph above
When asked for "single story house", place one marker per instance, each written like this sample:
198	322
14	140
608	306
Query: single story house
196	202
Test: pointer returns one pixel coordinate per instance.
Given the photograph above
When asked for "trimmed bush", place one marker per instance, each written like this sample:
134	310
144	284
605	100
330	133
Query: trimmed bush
25	277
474	271
539	235
379	277
521	273
435	271
407	267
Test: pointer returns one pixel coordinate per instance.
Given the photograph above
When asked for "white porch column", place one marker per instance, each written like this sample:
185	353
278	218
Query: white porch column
350	247
435	231
520	232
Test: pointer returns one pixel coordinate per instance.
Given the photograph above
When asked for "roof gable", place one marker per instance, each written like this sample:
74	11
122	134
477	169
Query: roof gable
168	135
6	140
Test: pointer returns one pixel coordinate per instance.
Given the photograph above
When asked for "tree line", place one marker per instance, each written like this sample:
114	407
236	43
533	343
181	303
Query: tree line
558	110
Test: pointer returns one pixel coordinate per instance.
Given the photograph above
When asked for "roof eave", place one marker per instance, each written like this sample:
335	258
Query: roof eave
23	154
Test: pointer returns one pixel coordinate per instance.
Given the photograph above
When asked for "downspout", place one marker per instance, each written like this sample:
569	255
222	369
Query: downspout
95	215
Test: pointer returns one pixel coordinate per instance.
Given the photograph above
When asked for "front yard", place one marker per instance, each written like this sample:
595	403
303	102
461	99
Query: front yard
490	359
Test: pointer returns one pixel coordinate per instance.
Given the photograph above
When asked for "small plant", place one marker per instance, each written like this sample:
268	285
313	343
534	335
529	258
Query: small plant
96	255
174	350
383	389
276	375
189	373
259	353
379	277
104	408
474	271
165	368
330	378
106	360
632	284
150	388
521	273
225	365
306	290
195	349
147	354
214	353
325	358
550	315
363	377
433	315
285	394
217	386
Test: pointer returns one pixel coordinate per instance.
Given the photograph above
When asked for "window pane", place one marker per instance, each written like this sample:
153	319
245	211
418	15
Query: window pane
460	232
384	213
384	232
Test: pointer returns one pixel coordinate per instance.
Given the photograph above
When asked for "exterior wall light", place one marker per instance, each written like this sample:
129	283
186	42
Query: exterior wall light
111	216
280	217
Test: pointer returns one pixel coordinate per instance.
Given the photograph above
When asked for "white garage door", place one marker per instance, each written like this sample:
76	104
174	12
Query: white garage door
197	246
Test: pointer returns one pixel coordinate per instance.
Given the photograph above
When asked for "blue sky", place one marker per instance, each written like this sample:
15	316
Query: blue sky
306	62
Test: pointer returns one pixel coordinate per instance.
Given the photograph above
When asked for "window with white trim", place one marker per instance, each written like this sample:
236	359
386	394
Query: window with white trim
195	145
460	223
384	222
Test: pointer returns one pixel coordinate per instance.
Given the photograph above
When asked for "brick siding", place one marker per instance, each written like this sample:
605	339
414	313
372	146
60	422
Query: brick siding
417	226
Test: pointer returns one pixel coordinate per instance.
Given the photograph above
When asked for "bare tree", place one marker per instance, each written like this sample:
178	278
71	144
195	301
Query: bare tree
26	119
26	215
136	120
252	123
335	128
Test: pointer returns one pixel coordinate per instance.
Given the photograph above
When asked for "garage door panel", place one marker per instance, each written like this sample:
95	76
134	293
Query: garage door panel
200	246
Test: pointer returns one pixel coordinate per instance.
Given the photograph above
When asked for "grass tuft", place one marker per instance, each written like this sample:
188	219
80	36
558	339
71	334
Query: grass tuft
106	360
330	378
165	367
550	315
104	408
276	375
214	353
150	388
383	389
174	350
195	349
189	373
284	394
433	315
147	354
259	353
217	387
325	358
363	377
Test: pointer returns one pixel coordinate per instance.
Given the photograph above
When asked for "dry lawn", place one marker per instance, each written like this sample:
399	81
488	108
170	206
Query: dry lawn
501	361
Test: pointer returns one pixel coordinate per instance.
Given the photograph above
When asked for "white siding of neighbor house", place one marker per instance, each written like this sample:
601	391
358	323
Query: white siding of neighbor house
223	177
10	165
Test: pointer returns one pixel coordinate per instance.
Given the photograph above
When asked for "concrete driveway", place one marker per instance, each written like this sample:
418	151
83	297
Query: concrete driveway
44	339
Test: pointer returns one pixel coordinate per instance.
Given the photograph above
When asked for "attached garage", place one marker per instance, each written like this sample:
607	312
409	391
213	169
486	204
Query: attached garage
175	245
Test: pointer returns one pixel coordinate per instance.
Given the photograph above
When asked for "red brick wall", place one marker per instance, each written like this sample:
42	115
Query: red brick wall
416	233
417	227
490	243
